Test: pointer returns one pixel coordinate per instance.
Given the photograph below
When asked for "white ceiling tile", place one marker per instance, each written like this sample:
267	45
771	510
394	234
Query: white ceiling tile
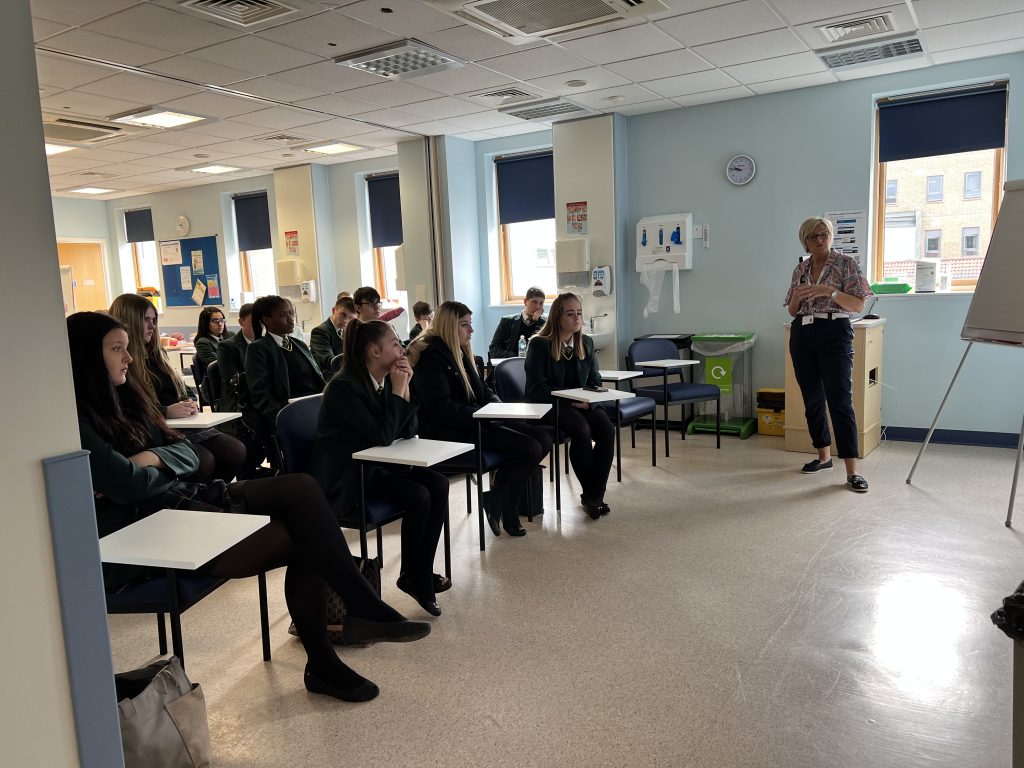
613	98
409	18
339	128
595	78
42	29
381	138
936	13
709	97
328	77
77	12
236	148
994	30
254	54
394	118
129	169
444	108
640	40
681	85
804	11
269	88
76	103
537	62
659	65
463	80
86	43
486	121
521	128
676	7
215	105
722	23
228	129
147	146
390	94
791	83
145	90
280	118
740	50
882	68
436	128
471	44
978	51
336	104
773	69
199	71
647	107
67	161
328	35
112	154
475	135
63	73
192	156
162	28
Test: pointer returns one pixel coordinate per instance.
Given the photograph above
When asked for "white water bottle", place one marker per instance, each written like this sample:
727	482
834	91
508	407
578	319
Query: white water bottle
522	346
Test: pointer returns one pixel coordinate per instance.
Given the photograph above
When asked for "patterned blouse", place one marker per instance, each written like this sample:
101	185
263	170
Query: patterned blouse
841	272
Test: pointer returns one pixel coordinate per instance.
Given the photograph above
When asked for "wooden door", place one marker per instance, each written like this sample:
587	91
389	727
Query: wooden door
90	286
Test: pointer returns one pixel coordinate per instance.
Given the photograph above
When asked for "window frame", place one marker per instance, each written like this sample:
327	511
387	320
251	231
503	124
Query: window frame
972	196
505	268
895	191
966	232
928	198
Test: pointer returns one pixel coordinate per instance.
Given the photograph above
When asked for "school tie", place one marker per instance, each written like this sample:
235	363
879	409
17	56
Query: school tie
286	344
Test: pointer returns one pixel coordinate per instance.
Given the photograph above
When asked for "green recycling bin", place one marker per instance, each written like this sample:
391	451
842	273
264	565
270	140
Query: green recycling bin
725	361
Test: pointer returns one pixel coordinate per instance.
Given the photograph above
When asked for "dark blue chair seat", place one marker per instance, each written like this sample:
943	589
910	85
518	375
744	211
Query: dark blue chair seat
631	409
378	513
679	392
214	384
467	463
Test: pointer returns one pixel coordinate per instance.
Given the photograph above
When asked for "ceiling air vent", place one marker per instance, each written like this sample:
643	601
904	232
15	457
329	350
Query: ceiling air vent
854	29
545	110
520	21
504	97
402	60
282	139
866	55
244	13
82	131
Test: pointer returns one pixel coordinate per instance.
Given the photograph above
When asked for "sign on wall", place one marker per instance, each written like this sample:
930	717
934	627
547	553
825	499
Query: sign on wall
576	218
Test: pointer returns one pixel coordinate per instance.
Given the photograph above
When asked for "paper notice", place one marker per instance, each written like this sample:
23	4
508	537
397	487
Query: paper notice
197	262
213	286
199	293
170	253
186	278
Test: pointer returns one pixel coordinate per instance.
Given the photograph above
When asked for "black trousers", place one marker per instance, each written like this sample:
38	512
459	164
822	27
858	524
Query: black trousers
822	355
525	445
591	447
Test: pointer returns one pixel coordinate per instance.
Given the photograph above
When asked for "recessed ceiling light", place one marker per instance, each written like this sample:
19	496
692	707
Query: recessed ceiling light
402	60
331	148
91	190
614	98
157	117
575	83
215	169
56	149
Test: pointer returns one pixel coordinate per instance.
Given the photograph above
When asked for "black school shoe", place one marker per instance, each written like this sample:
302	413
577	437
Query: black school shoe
857	483
811	467
592	508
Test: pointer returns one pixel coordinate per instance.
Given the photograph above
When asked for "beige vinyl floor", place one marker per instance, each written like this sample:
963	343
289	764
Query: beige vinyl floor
730	612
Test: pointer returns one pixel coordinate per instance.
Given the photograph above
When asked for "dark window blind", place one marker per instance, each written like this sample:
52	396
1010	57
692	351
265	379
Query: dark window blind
385	210
252	221
526	188
138	225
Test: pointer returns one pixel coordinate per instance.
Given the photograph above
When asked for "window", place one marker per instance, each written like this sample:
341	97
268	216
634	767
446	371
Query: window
145	261
257	271
972	185
970	241
922	139
526	224
386	235
890	191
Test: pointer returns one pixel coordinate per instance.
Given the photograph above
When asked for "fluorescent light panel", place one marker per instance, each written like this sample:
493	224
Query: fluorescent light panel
157	117
56	149
331	148
215	169
91	191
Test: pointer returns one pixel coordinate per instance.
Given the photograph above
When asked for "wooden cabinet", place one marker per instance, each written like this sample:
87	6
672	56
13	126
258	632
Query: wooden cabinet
867	392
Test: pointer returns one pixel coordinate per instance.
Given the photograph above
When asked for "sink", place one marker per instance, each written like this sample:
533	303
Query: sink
601	340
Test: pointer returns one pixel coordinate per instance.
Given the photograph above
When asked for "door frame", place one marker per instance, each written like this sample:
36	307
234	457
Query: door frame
104	252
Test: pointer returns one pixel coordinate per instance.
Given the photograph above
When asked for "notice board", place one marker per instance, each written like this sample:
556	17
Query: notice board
191	272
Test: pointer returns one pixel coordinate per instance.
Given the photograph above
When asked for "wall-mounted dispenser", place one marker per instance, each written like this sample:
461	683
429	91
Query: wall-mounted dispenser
307	291
601	281
572	264
664	242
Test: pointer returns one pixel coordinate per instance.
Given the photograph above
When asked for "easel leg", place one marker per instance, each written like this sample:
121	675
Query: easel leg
1016	474
938	413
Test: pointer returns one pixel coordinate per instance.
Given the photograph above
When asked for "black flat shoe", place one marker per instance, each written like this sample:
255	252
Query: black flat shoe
857	483
593	510
493	515
605	509
441	583
362	692
430	606
359	631
517	530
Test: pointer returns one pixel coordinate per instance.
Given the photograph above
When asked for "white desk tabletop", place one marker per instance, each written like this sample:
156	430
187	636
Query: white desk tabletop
203	419
525	411
619	375
495	360
415	452
178	538
581	395
304	397
665	363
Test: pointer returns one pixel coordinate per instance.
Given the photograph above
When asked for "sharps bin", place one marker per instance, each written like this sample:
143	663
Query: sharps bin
725	361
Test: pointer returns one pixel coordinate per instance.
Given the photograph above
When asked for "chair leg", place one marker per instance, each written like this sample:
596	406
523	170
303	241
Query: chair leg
566	458
551	464
161	633
618	442
447	548
380	545
632	434
172	591
654	439
718	423
469	494
261	579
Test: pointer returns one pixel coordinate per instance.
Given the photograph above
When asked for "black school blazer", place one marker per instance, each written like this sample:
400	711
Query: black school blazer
446	412
266	375
544	374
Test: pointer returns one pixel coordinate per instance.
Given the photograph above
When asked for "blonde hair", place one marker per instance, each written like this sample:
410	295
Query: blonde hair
445	326
812	224
550	330
130	309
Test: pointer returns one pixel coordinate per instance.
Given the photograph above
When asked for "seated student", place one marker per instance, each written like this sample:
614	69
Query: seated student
136	462
278	366
367	301
211	332
505	342
231	358
448	389
424	314
325	339
368	404
561	357
221	456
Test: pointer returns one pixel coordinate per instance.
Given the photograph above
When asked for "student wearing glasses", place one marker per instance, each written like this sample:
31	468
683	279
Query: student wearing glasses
824	291
367	301
211	332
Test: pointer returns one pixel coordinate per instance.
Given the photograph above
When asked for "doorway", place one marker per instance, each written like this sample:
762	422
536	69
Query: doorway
83	275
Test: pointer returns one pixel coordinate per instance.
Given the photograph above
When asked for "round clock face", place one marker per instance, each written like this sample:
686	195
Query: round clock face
740	169
181	226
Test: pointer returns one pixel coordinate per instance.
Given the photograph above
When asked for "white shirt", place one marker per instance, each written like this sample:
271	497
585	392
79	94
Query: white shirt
278	339
379	385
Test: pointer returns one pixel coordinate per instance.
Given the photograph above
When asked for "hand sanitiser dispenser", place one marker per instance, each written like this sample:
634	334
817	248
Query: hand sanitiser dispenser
666	252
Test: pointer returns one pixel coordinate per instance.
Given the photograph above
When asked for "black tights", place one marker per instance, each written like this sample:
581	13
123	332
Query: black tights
591	446
303	535
221	457
525	445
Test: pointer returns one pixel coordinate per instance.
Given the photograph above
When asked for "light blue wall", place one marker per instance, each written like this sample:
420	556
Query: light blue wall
813	149
75	217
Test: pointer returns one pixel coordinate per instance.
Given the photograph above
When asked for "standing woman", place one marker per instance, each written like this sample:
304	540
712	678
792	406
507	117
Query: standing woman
561	357
221	456
136	463
449	390
211	332
365	405
824	291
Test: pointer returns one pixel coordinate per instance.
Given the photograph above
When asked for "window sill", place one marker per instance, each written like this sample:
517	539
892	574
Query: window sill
913	295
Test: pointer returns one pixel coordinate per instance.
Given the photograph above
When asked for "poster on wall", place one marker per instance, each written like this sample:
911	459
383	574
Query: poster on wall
851	235
191	272
576	218
170	253
291	244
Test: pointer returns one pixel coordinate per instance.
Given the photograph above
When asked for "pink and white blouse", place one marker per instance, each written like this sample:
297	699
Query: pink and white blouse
841	272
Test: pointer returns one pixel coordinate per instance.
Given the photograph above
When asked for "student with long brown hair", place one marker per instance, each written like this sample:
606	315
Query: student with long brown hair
560	356
221	456
449	390
368	404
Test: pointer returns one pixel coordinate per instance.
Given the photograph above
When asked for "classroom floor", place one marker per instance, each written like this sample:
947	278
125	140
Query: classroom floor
730	612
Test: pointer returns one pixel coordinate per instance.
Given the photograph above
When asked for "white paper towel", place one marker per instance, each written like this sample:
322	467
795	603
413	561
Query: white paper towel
652	280
675	288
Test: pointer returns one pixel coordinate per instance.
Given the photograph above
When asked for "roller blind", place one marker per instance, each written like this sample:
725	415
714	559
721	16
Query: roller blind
138	225
942	123
252	221
385	210
526	188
